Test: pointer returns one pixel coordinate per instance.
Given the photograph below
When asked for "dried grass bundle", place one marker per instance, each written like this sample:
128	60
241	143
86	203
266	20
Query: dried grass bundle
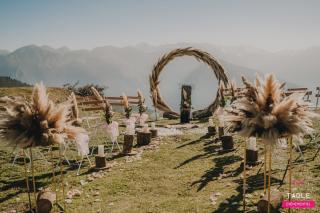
75	110
141	104
39	122
127	107
266	113
222	100
108	113
158	101
233	91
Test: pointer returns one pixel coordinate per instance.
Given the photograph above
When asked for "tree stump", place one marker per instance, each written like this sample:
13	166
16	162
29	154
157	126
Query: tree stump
154	133
252	156
45	201
227	142
212	131
221	132
143	138
275	202
127	144
100	162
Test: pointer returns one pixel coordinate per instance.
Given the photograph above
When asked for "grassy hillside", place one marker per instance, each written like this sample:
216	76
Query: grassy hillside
9	82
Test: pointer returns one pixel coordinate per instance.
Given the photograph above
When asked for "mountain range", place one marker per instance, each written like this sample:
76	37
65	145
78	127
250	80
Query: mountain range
126	69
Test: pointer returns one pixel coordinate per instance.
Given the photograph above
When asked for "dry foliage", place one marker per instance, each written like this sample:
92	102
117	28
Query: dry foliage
154	81
141	104
108	113
127	107
266	112
39	122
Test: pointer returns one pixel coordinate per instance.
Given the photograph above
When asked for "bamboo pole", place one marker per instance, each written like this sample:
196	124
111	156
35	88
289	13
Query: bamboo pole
62	178
244	177
290	169
33	179
27	178
269	178
265	168
53	175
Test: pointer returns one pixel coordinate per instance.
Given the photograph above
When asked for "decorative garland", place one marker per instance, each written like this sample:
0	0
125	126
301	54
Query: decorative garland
158	101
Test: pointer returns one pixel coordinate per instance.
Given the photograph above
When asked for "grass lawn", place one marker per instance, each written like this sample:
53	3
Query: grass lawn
174	174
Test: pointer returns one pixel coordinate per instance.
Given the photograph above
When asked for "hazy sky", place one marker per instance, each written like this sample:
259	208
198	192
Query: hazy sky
271	25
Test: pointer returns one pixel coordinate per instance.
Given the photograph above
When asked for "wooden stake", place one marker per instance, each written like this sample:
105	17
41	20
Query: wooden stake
53	175
290	169
62	178
27	179
269	179
33	179
265	168
244	177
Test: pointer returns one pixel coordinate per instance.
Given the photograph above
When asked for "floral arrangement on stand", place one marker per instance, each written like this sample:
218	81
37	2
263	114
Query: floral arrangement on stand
39	122
143	116
112	127
266	113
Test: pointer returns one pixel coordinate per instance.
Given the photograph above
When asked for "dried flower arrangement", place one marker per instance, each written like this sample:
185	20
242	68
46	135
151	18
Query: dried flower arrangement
126	105
141	103
265	112
75	110
39	122
108	113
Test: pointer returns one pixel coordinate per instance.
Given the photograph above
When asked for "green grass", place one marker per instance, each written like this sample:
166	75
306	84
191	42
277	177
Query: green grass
179	175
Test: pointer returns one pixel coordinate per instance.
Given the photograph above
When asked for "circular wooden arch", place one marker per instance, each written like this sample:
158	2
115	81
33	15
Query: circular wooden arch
205	57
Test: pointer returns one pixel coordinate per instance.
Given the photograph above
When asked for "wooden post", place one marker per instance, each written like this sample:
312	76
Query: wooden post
212	131
269	179
317	96
127	144
221	132
227	142
154	133
252	156
33	179
244	177
45	200
185	107
100	162
143	138
275	202
290	168
265	168
27	179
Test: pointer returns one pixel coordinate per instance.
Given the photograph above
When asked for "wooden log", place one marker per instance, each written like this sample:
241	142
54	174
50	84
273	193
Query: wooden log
221	132
143	138
201	114
100	162
185	107
127	144
251	156
227	142
275	202
185	116
45	200
212	131
170	115
154	133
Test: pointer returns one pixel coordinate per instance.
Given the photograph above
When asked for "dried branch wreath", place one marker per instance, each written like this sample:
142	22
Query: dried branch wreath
205	57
